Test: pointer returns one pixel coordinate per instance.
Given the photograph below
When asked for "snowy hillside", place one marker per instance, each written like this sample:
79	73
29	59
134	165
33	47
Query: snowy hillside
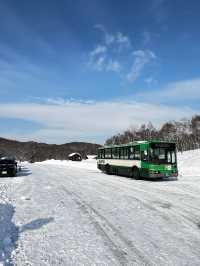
189	163
69	213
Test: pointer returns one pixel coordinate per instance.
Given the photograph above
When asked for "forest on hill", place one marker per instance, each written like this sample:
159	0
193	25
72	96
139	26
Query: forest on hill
36	152
185	133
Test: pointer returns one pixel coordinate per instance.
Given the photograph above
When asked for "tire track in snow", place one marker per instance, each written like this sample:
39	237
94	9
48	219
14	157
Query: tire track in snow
163	208
162	203
122	248
161	198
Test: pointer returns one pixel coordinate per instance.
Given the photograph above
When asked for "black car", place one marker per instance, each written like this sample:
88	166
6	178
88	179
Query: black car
8	166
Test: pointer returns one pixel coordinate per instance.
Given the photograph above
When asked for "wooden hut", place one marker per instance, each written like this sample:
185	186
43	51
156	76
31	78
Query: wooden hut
75	156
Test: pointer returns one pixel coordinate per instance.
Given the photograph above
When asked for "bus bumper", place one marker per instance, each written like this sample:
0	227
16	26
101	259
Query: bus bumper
162	175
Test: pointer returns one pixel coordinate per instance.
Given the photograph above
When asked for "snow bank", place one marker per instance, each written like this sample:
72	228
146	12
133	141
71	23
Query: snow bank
189	163
89	164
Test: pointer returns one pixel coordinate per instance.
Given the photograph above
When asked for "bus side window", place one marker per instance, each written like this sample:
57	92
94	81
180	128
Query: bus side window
115	153
108	153
137	153
126	153
100	154
131	153
122	153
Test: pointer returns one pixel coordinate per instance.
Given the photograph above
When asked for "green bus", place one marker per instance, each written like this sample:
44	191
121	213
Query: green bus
148	159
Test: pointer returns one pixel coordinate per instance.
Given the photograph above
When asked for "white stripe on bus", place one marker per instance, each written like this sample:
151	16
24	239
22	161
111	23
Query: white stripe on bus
115	162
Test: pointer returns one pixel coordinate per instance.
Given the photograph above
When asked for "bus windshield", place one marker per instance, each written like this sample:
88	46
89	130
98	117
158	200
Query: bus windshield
162	153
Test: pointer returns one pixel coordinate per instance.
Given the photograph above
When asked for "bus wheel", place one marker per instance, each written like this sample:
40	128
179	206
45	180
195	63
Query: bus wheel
107	169
135	173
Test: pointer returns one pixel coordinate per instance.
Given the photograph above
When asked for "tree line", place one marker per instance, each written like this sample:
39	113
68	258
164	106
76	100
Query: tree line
185	133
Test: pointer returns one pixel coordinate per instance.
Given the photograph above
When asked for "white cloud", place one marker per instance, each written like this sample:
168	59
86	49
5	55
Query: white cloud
106	56
123	39
58	101
62	122
185	90
188	90
115	53
114	38
100	63
109	38
150	80
146	55
141	59
113	65
97	58
100	49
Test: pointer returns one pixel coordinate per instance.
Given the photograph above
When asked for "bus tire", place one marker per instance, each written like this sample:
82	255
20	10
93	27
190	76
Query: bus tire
135	173
107	169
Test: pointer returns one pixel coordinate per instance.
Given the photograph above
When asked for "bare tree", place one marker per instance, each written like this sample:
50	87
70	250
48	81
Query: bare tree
185	133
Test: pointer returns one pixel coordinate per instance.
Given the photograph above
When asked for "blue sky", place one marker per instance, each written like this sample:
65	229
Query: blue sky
84	70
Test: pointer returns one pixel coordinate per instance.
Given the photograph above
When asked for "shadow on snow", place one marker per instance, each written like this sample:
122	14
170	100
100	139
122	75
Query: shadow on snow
24	172
9	232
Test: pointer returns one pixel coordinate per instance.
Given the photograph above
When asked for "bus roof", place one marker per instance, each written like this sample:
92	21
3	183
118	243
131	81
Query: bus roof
134	143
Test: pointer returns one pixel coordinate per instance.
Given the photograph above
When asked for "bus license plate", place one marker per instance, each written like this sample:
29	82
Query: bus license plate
4	172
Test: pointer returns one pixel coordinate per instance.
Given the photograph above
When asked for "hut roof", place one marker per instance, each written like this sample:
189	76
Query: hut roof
74	153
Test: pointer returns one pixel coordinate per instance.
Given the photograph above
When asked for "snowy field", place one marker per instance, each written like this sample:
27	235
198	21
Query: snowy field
69	213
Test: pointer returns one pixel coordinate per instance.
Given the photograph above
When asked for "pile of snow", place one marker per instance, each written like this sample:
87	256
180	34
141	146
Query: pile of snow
89	164
189	163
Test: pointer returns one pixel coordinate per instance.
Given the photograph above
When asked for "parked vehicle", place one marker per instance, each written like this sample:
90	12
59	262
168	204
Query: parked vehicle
8	166
150	159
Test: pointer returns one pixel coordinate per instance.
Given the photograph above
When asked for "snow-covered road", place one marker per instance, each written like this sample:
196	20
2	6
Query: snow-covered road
69	213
